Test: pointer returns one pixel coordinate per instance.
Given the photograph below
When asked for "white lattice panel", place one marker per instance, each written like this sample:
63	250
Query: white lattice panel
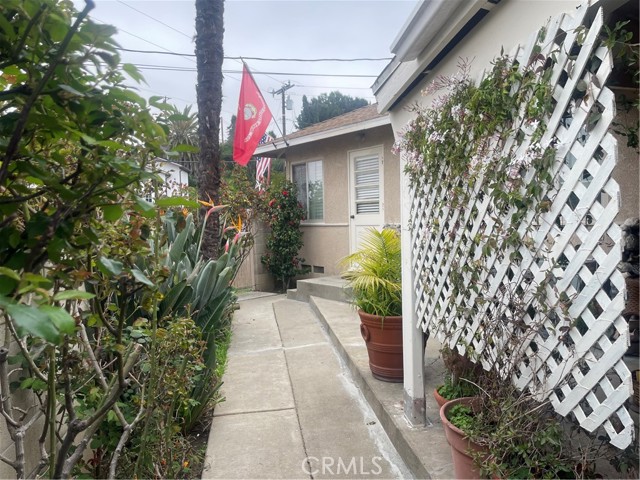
578	366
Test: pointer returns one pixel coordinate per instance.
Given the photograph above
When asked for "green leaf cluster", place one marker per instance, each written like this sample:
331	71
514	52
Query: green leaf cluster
114	318
283	213
374	273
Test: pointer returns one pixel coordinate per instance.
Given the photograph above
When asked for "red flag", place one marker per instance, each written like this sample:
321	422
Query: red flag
252	120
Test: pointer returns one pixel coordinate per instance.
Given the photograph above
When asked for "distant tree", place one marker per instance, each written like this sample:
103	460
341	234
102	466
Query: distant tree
182	134
326	106
226	149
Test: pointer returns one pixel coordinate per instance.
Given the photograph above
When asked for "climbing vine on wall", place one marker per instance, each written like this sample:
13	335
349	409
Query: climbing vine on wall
483	140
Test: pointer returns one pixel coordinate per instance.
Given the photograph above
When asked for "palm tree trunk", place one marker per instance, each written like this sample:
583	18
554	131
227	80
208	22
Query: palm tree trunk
209	56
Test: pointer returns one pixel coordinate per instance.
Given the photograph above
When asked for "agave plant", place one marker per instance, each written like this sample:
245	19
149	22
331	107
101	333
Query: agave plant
200	289
374	273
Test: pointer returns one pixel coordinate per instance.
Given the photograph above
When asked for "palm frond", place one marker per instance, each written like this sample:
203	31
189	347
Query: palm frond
375	273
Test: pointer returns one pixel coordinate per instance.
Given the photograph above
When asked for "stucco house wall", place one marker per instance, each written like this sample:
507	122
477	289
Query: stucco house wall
327	241
509	23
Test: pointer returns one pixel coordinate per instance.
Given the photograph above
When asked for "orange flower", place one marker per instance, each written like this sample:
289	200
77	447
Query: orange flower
237	225
212	207
207	204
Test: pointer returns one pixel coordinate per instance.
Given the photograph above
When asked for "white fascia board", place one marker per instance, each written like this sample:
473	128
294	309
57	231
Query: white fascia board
424	24
276	146
388	90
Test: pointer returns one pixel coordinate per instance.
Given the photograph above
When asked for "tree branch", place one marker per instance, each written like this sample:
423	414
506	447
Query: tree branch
12	148
89	426
128	429
25	352
7	408
25	35
21	90
96	367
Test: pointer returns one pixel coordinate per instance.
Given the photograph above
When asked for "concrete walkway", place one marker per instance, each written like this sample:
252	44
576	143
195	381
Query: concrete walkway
292	409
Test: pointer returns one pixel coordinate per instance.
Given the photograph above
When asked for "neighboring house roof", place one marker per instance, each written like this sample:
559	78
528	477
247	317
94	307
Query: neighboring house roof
357	120
179	165
434	28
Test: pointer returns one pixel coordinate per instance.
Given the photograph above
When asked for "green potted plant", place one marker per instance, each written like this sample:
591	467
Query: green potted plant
374	275
506	433
458	417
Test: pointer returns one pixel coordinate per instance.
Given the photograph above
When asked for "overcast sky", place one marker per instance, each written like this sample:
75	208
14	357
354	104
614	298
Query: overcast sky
305	29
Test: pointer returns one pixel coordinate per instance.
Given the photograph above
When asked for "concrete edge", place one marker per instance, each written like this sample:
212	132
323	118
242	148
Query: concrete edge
389	422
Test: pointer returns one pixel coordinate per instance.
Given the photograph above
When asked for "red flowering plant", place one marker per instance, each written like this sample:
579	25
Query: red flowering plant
283	213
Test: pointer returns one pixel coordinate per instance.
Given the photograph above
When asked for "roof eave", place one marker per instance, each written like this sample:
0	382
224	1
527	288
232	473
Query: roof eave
180	166
435	24
275	147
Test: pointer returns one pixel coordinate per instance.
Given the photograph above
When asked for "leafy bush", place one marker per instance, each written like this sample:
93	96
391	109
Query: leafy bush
113	316
242	201
283	213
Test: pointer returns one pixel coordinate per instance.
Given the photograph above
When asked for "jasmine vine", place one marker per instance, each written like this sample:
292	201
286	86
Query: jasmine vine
479	140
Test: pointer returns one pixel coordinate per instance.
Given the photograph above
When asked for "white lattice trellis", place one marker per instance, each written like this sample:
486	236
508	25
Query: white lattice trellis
578	367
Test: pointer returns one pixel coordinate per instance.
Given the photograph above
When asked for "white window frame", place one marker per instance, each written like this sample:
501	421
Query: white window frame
306	163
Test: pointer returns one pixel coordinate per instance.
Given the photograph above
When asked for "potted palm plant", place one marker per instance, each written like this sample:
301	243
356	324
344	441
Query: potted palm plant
374	275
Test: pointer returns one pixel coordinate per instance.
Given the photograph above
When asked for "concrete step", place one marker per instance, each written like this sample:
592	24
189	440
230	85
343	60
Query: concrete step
424	450
330	288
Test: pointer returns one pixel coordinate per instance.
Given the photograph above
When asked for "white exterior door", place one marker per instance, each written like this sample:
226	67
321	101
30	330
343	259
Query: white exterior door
365	193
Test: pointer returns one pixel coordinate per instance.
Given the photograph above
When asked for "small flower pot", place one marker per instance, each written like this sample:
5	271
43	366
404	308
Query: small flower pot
440	400
463	463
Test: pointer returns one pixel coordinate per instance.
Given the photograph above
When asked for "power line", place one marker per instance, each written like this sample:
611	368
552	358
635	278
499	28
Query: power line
171	68
147	41
155	19
165	96
265	59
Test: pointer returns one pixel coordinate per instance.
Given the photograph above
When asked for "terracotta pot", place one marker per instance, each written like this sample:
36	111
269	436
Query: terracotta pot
463	463
383	337
440	400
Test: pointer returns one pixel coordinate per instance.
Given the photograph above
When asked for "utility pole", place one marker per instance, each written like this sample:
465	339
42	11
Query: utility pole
284	88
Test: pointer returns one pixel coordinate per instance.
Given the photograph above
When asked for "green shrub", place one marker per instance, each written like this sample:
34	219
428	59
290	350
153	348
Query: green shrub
283	213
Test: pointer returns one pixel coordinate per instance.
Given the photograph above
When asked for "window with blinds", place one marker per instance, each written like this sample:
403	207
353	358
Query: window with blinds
308	179
367	184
